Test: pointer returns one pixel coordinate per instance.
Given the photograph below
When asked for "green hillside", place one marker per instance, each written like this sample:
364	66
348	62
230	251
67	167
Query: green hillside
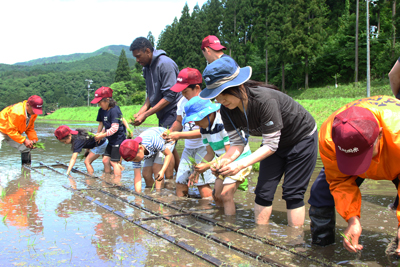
111	49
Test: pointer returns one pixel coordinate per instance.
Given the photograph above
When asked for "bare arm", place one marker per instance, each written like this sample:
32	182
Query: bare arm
100	127
394	78
145	107
72	162
168	157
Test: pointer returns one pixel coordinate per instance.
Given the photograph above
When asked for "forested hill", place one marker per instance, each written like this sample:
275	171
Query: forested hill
112	49
104	61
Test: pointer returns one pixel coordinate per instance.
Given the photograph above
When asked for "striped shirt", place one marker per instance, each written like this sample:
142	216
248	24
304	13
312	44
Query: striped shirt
217	138
153	142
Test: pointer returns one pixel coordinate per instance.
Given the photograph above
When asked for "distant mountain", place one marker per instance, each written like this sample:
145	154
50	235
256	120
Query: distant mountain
112	49
105	61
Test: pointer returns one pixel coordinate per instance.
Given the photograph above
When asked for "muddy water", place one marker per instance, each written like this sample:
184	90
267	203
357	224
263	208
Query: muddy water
44	224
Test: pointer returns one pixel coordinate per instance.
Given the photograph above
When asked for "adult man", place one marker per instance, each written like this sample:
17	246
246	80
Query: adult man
19	118
160	73
212	49
357	142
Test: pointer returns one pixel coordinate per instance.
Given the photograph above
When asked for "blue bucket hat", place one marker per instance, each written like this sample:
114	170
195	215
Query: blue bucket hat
222	74
197	109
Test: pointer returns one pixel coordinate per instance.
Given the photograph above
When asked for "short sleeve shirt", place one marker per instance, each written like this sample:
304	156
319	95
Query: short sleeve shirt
153	142
268	111
189	126
108	117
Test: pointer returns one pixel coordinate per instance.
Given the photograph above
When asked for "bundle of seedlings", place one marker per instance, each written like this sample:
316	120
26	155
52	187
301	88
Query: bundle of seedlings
39	145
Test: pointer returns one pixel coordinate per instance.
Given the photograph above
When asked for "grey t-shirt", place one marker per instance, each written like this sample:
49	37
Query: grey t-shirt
268	111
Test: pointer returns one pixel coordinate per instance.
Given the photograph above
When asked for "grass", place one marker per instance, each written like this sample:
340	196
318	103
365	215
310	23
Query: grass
89	114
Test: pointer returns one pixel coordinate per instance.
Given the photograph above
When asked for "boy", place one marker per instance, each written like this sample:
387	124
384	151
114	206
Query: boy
205	114
150	147
189	83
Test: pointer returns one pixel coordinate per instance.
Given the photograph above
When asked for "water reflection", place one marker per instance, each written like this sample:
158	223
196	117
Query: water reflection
18	203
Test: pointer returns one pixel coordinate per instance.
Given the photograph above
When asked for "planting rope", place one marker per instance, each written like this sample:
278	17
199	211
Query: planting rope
202	217
139	223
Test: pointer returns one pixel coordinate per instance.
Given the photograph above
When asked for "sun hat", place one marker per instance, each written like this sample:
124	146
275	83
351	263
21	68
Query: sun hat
213	42
62	131
36	102
129	148
197	109
101	93
186	77
354	132
222	74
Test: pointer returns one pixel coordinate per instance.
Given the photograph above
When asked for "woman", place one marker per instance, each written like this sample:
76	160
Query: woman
289	144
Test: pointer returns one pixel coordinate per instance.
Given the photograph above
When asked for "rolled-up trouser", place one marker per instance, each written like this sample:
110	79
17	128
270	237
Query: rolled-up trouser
21	147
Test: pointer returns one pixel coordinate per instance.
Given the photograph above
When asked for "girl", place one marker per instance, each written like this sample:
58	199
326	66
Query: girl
289	132
109	117
78	140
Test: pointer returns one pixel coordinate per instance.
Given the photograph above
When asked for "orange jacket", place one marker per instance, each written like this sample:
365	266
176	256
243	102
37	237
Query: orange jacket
384	166
13	123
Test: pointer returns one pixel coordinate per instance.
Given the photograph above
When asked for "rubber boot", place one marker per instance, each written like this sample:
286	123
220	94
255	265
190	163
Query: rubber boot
26	158
323	220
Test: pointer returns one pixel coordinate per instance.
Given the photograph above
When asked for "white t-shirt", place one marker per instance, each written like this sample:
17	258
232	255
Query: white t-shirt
190	126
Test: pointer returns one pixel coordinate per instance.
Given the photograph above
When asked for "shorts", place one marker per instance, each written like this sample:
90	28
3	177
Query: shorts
297	163
112	151
100	150
159	157
184	171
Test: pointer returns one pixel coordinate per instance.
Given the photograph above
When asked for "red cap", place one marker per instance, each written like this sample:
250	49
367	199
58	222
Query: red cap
354	132
36	102
212	42
62	132
101	93
185	78
129	148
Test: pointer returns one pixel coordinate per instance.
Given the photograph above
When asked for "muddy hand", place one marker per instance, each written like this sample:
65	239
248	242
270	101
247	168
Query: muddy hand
159	177
353	233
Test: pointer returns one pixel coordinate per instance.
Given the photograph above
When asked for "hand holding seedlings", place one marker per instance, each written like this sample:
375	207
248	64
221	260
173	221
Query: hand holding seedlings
193	178
159	177
39	145
352	234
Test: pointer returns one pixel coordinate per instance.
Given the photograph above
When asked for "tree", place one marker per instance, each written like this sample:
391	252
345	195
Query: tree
151	38
123	70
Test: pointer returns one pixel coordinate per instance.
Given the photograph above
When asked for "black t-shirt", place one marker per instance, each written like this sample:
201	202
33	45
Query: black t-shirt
268	111
89	143
108	117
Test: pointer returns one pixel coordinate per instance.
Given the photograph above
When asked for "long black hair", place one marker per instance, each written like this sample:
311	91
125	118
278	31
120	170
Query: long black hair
111	102
237	92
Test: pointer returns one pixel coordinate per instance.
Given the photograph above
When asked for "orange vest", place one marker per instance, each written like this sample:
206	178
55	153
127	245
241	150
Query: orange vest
13	123
384	166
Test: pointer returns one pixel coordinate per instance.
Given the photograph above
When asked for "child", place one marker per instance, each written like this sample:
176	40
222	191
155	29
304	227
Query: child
109	117
204	114
152	148
80	139
189	83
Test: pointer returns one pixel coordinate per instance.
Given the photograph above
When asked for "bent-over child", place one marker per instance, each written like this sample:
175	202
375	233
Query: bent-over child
157	155
78	140
206	115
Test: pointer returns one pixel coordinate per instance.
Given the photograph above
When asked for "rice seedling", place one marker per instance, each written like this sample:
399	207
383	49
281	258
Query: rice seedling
347	238
4	218
3	193
192	164
39	145
129	135
91	134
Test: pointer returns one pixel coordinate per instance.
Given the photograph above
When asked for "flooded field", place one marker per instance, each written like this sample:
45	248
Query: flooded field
50	220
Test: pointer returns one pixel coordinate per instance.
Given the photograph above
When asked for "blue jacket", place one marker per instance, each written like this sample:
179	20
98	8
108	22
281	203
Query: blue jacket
160	76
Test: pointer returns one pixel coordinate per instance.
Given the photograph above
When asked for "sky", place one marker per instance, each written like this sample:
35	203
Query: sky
44	28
